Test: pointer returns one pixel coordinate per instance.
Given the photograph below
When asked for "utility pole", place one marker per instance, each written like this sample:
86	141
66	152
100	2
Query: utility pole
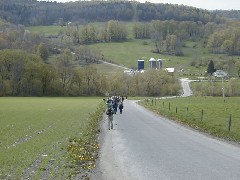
223	88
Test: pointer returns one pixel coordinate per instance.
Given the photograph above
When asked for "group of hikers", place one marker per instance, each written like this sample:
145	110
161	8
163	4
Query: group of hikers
113	104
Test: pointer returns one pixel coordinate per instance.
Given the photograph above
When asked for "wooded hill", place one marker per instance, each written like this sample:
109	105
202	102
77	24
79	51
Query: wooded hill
24	55
232	14
32	12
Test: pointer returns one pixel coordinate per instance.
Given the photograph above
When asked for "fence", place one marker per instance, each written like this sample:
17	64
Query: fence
188	115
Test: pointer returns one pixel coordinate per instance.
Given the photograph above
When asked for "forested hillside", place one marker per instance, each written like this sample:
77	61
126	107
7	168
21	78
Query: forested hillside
233	14
32	12
36	64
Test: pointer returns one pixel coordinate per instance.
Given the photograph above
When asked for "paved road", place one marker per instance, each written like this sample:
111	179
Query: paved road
145	146
186	87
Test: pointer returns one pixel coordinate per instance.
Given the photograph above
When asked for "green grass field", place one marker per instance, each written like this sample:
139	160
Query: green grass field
35	132
107	69
47	30
127	53
208	114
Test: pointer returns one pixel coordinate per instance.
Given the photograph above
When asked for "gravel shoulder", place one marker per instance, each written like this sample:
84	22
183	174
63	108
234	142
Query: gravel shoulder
108	165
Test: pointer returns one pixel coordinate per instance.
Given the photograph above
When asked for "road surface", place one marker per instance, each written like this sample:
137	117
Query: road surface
146	146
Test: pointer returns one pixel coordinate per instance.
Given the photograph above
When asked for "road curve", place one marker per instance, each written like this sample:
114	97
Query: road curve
143	145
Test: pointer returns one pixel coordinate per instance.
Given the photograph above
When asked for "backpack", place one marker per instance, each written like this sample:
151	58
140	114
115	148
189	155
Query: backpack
109	111
121	105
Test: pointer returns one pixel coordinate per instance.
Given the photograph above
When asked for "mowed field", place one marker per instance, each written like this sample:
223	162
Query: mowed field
35	133
128	52
215	115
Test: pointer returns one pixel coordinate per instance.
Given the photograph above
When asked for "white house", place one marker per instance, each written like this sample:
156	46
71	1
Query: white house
220	74
170	70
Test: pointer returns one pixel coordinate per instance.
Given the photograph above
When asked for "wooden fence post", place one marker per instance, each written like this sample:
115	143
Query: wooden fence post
230	122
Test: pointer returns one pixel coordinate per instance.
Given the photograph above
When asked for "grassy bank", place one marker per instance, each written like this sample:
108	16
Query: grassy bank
35	135
214	115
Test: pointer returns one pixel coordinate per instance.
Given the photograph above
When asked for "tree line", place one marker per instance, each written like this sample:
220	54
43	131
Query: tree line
35	13
225	41
168	37
113	31
232	14
25	74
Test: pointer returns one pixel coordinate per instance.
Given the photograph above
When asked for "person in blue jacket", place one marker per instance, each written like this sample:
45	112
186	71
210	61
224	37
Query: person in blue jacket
120	106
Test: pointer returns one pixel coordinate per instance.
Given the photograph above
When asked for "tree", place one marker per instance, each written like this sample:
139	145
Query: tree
157	39
90	77
43	51
210	68
141	30
173	45
65	69
227	47
237	65
116	31
231	65
46	75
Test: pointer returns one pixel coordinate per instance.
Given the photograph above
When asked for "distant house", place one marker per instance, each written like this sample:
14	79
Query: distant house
220	74
170	70
129	72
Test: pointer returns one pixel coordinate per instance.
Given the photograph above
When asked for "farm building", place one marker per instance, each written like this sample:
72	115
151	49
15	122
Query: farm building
152	63
220	73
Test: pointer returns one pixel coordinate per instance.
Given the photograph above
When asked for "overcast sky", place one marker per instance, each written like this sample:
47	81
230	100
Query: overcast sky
204	4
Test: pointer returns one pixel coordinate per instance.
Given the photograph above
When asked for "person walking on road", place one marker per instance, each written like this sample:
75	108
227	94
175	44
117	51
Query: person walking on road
120	106
109	112
115	106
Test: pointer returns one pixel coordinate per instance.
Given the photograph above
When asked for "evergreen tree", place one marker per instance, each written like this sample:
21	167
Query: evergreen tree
210	68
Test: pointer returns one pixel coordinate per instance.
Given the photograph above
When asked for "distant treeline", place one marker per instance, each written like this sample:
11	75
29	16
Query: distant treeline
168	36
32	12
233	14
24	74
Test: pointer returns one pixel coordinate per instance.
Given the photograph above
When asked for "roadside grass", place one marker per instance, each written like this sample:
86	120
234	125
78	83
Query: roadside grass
217	87
35	134
214	115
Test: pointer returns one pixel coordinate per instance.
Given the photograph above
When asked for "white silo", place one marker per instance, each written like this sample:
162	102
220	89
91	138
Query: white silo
152	63
159	64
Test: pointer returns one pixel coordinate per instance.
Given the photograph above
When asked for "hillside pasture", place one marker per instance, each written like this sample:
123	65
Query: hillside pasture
192	64
128	53
46	30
